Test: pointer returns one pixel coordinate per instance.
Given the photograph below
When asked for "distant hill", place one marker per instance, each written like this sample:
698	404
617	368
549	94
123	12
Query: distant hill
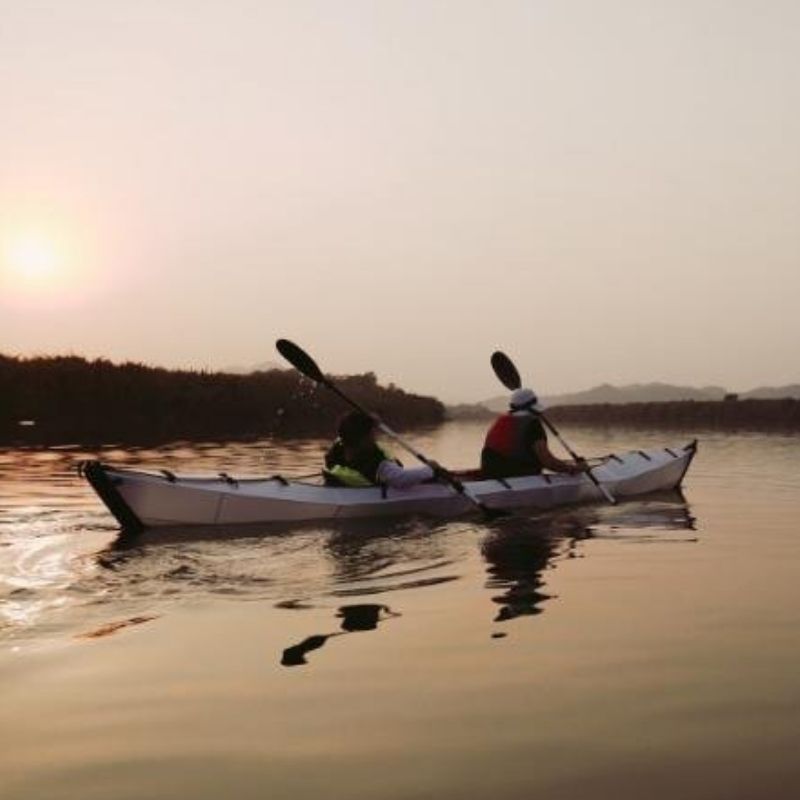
773	392
649	393
637	393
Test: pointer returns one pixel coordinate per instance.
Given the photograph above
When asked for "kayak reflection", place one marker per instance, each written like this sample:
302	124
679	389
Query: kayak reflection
356	561
359	617
519	550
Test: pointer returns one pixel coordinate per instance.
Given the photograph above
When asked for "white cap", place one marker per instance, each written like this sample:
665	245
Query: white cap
524	400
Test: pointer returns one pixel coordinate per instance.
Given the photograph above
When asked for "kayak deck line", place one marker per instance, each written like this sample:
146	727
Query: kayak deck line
141	499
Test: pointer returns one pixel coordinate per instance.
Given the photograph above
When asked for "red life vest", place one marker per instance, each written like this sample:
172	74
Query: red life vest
507	436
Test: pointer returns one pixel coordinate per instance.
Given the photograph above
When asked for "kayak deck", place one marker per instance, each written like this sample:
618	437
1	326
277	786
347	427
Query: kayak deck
140	499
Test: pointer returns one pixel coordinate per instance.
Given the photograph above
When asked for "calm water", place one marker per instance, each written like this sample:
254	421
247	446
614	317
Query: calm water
649	650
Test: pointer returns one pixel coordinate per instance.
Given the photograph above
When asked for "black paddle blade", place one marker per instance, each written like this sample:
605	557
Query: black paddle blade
300	360
505	370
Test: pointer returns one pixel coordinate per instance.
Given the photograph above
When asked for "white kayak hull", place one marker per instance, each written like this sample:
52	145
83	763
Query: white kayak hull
141	500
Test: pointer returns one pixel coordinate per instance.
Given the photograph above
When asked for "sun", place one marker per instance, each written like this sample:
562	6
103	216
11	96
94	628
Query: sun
33	259
36	265
46	262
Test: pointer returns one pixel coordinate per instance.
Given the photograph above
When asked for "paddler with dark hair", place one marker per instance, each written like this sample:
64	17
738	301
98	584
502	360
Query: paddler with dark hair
516	444
356	459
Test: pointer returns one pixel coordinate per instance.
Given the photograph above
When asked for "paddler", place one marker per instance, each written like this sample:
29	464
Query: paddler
356	459
516	444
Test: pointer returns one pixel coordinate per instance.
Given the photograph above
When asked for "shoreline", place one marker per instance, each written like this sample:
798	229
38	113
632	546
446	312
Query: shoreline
689	416
762	416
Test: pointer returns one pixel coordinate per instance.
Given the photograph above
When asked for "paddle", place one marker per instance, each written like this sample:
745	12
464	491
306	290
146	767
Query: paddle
303	363
508	375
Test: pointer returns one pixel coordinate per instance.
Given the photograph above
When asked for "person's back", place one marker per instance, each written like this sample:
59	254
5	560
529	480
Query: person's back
509	450
516	444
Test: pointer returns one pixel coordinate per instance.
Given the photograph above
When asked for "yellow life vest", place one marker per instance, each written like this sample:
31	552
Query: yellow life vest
354	474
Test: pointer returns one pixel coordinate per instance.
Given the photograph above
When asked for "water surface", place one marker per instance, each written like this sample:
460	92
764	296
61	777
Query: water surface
647	650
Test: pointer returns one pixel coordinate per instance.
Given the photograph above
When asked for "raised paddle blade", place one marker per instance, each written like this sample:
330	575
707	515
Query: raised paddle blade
505	370
300	360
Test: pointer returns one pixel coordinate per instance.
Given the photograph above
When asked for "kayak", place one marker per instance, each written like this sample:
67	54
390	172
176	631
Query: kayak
141	500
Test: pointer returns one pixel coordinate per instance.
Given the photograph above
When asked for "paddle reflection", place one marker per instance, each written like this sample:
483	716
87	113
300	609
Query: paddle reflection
355	618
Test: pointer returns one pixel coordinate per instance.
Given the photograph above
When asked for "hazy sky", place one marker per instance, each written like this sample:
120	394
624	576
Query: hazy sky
607	189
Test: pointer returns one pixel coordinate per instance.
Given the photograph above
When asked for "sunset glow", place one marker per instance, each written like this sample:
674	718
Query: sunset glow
33	259
41	265
319	174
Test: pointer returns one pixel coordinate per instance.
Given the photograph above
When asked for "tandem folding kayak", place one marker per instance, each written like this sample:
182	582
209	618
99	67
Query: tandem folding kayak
141	500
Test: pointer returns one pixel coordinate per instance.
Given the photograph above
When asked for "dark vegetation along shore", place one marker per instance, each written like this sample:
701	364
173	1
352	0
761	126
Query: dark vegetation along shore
779	415
70	400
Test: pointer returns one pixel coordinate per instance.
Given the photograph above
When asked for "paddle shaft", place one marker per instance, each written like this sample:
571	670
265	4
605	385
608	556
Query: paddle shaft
552	428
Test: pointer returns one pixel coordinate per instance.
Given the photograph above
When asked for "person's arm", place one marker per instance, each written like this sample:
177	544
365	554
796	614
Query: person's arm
392	474
549	461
